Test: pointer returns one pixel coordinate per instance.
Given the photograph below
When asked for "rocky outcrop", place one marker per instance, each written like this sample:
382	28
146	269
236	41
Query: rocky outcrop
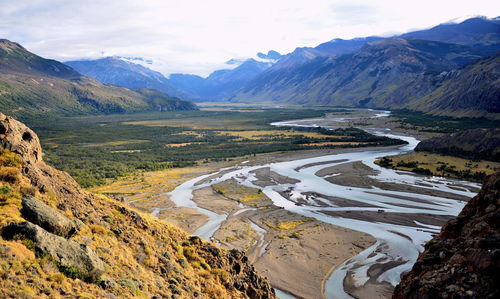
43	215
464	259
129	253
77	261
243	276
19	139
470	144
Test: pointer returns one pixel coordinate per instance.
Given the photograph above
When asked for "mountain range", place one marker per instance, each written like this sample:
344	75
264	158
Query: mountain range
403	72
32	85
122	72
218	85
450	69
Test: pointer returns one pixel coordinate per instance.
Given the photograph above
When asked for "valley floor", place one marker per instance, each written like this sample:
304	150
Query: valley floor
298	253
295	252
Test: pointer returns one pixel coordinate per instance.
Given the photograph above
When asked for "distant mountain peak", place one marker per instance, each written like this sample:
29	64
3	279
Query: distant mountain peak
7	44
271	55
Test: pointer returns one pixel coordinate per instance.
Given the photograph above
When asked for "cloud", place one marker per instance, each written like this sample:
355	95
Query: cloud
198	36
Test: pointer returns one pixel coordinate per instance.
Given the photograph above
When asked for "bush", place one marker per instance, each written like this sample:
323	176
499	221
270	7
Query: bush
9	159
10	174
5	190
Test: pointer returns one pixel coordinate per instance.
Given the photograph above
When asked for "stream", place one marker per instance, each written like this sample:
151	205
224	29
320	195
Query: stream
397	246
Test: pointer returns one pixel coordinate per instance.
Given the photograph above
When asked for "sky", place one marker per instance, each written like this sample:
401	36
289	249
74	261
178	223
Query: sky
199	36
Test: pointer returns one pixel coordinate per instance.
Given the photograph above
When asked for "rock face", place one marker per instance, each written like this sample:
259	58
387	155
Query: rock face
77	260
243	274
41	214
471	144
130	253
463	261
19	139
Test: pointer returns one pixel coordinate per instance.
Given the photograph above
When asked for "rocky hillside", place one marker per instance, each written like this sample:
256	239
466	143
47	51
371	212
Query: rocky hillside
116	71
463	260
220	84
32	85
60	241
471	144
382	74
473	88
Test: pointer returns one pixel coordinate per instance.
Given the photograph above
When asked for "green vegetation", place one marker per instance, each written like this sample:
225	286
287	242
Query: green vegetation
440	124
95	149
447	166
31	85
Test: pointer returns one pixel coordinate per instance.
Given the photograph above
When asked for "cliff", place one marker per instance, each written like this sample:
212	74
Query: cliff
470	144
464	259
60	241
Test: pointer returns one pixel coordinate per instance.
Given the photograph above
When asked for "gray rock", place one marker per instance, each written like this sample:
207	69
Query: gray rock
43	215
75	260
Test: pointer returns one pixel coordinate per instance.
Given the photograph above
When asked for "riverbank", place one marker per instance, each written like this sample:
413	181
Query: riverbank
302	201
275	240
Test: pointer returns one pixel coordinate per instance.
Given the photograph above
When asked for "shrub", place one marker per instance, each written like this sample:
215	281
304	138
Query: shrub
5	190
10	174
9	159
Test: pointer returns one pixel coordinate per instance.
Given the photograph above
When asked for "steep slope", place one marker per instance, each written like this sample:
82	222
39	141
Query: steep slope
472	144
473	32
60	241
340	46
15	59
116	71
32	85
468	91
383	74
463	260
222	83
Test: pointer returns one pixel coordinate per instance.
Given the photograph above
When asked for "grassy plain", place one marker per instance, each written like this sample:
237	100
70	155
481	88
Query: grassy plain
96	150
441	165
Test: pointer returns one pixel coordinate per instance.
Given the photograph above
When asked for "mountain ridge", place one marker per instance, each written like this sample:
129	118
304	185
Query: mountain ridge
387	74
33	85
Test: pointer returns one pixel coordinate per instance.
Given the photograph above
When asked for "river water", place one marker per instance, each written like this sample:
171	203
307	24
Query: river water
396	244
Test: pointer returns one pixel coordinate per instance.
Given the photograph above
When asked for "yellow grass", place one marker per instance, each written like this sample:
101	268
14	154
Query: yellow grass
182	144
146	184
260	134
197	124
285	225
232	190
431	161
122	142
335	143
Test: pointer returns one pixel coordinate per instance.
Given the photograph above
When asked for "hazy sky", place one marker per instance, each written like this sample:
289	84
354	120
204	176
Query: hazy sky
198	36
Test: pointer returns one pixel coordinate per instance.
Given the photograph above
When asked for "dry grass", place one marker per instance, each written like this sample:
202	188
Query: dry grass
133	246
285	225
433	161
127	151
146	186
261	134
335	143
194	123
234	191
182	144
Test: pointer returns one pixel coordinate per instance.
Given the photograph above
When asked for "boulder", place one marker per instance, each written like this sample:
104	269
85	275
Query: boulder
48	218
75	260
20	139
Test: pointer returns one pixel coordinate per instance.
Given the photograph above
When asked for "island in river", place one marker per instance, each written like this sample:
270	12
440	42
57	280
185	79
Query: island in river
318	223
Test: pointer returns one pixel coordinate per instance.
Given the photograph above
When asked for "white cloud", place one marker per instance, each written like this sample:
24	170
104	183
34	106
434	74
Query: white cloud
198	36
